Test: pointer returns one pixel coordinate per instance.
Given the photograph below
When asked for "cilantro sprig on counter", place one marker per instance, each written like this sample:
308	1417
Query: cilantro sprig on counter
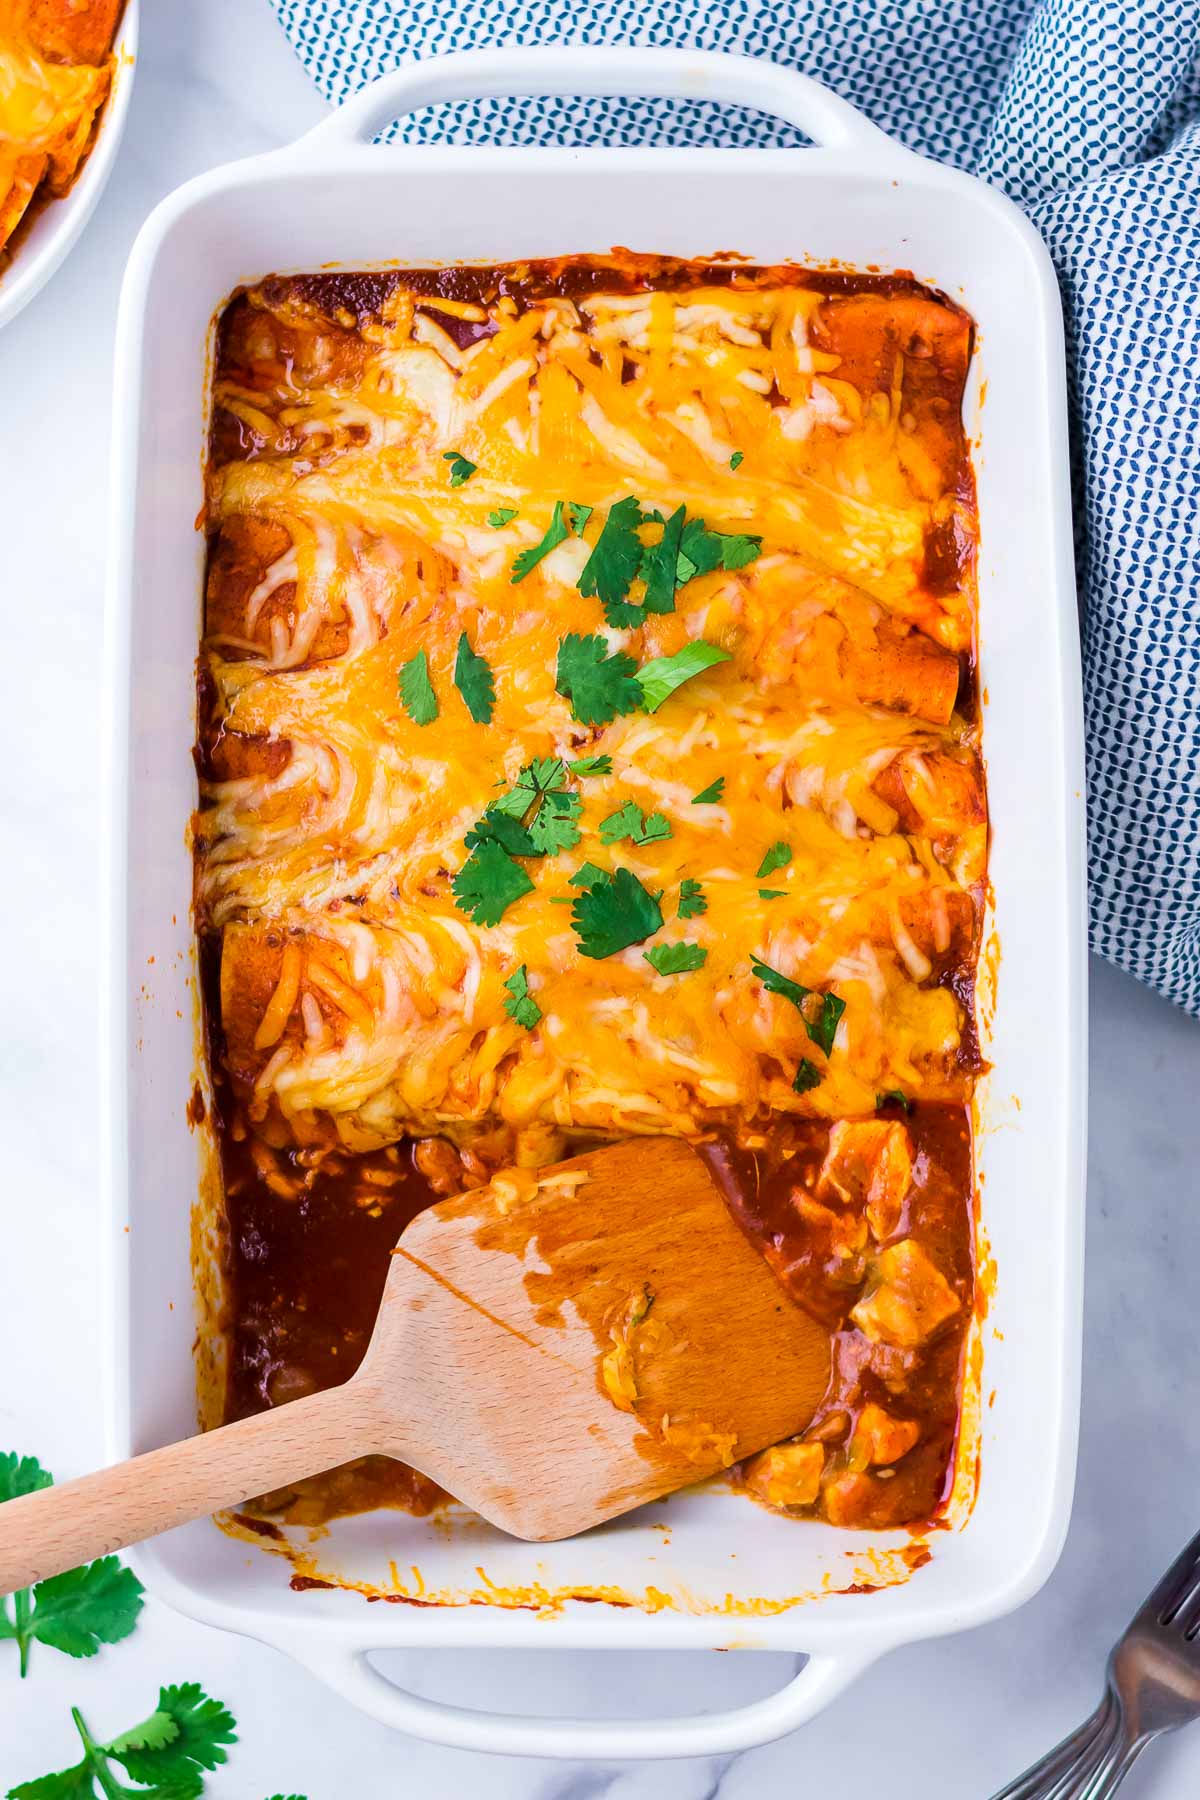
75	1612
820	1022
167	1754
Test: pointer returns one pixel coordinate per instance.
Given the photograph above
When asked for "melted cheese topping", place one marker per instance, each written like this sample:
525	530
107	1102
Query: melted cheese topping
353	989
49	98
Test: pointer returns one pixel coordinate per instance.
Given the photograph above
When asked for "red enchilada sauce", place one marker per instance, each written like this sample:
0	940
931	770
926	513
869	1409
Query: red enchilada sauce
310	1237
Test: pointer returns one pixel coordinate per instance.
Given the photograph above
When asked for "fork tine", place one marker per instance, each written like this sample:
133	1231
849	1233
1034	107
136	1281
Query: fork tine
1176	1587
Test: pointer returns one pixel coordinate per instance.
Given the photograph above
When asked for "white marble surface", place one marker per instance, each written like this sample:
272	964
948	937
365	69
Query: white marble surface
946	1721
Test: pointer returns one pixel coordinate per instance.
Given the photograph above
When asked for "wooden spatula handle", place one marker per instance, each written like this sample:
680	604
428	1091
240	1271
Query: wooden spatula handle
59	1527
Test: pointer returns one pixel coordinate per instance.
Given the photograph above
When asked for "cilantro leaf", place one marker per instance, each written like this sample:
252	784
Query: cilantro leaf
598	685
659	564
615	559
823	1028
577	516
711	795
521	1004
460	469
503	515
79	1610
22	1475
556	534
592	765
587	875
691	899
536	778
772	893
777	857
474	681
68	1784
489	882
701	551
808	1076
289	1797
893	1097
75	1612
613	914
737	459
501	828
167	1754
629	821
675	959
775	983
416	690
553	827
659	679
203	1727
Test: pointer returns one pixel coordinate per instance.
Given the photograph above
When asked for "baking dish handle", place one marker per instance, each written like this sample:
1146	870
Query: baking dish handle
602	69
350	1673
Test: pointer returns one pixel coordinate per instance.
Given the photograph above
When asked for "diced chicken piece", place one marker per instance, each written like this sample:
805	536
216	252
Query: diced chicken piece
879	1438
911	1300
869	1164
850	1500
845	1232
787	1474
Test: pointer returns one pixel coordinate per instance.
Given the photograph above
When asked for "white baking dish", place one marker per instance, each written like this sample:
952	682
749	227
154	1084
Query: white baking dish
60	223
858	198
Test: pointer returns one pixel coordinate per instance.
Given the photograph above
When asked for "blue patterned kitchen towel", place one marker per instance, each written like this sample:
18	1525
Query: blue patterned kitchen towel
1088	113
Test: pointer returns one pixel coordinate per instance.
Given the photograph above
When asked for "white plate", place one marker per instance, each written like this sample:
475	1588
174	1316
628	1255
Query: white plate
60	222
859	199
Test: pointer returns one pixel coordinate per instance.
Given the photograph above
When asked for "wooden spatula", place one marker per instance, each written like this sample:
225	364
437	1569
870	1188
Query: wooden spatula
553	1349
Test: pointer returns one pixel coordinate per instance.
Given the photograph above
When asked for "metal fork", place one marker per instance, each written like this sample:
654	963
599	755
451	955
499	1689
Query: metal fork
1153	1686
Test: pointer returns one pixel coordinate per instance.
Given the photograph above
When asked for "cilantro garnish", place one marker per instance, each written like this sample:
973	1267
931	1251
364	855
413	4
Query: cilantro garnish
489	882
521	1004
501	828
691	899
416	690
614	913
460	469
592	765
588	875
737	459
893	1097
772	893
75	1612
659	679
599	684
615	559
167	1754
808	1076
568	516
474	681
658	567
710	795
629	821
702	550
675	959
777	857
503	515
553	826
821	1029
